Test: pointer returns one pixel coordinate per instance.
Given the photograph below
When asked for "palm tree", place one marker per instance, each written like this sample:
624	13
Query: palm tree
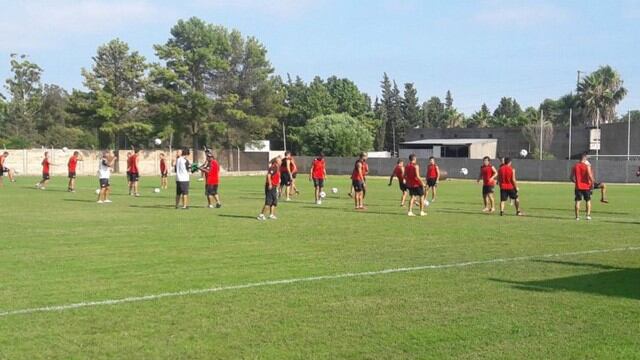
600	93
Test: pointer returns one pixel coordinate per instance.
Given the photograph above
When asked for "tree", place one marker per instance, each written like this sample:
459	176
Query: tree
392	110
433	113
117	82
532	132
448	101
558	111
507	114
349	99
600	92
410	106
335	135
480	118
25	105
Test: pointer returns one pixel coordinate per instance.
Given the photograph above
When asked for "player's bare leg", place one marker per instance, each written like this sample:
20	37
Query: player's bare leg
577	210
492	203
516	202
403	199
603	193
433	193
589	210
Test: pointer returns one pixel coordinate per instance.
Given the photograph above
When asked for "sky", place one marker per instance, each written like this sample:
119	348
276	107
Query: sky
480	50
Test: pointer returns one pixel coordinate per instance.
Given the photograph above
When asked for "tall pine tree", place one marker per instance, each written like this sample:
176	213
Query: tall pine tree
410	106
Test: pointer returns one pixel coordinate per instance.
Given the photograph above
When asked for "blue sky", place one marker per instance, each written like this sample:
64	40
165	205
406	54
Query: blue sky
480	50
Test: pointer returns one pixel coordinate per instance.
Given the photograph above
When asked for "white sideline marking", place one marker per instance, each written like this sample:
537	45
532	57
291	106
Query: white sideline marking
299	280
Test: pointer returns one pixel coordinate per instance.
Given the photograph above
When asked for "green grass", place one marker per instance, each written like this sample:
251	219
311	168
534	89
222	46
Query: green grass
58	248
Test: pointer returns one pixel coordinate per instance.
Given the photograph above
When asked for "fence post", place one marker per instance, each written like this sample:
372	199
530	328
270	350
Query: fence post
570	125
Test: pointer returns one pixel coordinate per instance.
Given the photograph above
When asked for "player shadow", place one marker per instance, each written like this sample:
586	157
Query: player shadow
570	208
237	216
80	200
161	207
612	282
622	222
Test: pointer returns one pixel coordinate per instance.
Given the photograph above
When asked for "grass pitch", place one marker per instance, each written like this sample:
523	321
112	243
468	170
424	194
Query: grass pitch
58	248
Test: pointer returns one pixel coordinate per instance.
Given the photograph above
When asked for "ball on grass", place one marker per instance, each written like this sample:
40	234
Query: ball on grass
97	191
323	194
156	190
426	203
334	190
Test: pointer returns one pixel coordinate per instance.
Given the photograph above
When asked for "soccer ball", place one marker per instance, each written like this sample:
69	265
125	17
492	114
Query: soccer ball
65	149
334	190
158	142
524	153
464	171
426	203
156	190
97	191
323	194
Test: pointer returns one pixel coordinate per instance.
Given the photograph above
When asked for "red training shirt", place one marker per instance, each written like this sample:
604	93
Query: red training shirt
274	176
398	173
505	175
356	175
432	171
411	176
581	175
487	172
73	163
45	166
213	176
317	169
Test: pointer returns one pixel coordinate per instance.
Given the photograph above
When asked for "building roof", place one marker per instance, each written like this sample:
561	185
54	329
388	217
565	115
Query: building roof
449	141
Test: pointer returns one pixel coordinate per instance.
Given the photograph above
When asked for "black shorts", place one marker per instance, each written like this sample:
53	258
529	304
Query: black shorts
133	177
416	191
319	183
487	189
295	174
403	186
508	194
3	170
182	188
45	176
285	179
583	194
597	185
164	174
104	183
271	196
72	174
358	186
211	190
432	182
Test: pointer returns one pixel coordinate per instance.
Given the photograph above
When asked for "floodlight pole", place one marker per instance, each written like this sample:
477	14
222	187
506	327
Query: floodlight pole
629	136
570	121
541	122
284	136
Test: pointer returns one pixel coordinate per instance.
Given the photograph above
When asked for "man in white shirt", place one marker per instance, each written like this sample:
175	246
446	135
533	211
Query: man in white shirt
183	172
104	174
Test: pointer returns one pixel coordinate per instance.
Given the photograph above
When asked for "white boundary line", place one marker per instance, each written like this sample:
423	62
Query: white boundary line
300	280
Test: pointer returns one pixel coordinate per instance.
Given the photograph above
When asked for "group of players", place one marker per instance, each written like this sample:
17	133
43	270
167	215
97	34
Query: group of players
282	173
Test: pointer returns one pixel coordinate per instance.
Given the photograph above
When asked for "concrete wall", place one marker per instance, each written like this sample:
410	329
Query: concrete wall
534	170
511	140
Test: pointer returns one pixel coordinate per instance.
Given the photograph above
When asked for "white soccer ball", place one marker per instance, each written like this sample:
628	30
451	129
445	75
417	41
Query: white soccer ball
65	149
323	194
426	203
524	153
158	142
464	171
334	190
97	191
156	190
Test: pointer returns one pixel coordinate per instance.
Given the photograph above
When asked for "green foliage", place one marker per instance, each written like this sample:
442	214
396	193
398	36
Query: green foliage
600	92
335	135
433	113
25	90
480	119
411	106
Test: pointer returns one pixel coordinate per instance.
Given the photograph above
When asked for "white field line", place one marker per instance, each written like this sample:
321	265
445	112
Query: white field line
301	280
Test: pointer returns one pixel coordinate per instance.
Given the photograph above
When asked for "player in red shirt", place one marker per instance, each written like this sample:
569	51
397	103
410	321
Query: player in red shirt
133	163
398	172
488	175
508	186
272	182
318	174
212	171
599	186
294	175
414	185
433	178
164	172
71	167
582	177
46	166
4	169
357	182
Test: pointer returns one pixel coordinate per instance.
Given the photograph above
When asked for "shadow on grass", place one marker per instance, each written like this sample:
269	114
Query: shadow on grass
162	207
80	200
614	282
622	222
570	208
237	216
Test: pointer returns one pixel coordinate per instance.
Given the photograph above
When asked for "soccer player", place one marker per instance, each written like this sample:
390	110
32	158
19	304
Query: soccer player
4	169
129	154
104	173
357	182
433	178
508	186
488	175
46	165
212	171
272	182
599	185
582	177
134	173
318	174
182	179
164	172
294	174
414	184
286	175
71	167
398	172
365	172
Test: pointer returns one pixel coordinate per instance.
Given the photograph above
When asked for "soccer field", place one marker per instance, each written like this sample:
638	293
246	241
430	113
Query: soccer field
319	282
